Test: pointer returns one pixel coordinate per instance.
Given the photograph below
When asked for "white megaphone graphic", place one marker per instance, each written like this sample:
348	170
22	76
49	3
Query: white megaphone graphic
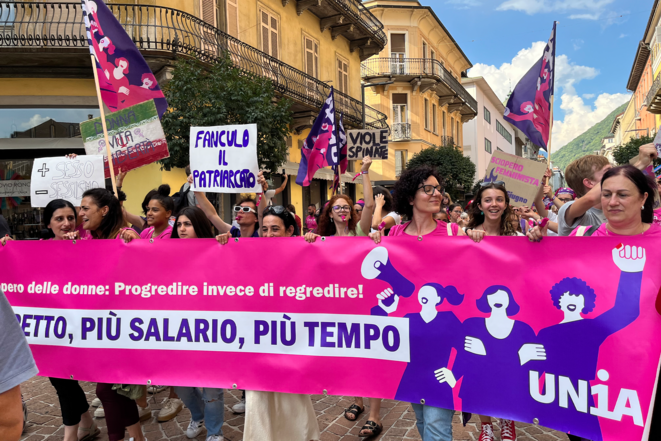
376	265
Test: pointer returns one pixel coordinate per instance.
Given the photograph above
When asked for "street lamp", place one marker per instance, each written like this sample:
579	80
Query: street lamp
363	86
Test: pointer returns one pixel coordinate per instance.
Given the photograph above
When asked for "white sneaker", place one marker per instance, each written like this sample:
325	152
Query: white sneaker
144	412
133	439
194	428
96	402
99	413
171	407
215	438
239	407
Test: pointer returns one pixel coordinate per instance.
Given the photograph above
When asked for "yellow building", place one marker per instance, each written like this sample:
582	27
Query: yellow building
426	103
628	122
303	46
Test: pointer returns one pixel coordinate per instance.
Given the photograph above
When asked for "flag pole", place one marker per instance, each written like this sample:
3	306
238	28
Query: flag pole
111	167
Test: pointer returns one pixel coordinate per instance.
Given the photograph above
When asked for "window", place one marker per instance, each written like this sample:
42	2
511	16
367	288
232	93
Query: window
208	11
233	18
342	75
433	54
311	56
400	161
457	140
487	145
397	53
452	127
38	123
443	123
503	131
426	114
270	26
434	124
487	115
399	104
424	49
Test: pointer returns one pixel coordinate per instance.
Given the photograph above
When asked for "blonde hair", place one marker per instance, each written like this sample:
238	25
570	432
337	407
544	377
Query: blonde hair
583	168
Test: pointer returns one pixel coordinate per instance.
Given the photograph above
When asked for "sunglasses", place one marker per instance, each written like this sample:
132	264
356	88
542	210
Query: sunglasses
239	209
275	209
429	189
487	183
341	208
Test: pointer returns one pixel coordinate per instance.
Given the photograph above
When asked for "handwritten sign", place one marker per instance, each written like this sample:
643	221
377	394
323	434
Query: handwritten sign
135	134
372	143
14	188
223	159
64	178
522	177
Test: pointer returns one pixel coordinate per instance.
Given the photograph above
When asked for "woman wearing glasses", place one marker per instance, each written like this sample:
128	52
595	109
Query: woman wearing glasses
338	218
245	212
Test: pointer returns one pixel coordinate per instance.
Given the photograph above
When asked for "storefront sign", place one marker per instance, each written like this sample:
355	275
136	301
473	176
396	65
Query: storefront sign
14	188
135	134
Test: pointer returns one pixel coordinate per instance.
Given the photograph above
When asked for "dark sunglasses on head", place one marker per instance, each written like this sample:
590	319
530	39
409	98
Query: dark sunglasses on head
239	208
275	209
498	183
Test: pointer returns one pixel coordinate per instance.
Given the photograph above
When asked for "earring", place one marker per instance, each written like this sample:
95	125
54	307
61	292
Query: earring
642	208
481	213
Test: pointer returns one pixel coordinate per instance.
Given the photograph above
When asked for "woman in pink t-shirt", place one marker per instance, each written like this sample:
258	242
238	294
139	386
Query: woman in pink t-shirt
159	210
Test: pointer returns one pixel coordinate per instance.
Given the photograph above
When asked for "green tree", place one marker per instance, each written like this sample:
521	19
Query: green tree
224	95
625	152
455	169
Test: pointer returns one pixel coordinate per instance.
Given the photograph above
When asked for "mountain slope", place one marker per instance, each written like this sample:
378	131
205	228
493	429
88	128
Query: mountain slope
587	143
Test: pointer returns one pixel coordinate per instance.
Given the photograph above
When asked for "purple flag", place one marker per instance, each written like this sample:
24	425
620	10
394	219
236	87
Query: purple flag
124	76
320	148
529	105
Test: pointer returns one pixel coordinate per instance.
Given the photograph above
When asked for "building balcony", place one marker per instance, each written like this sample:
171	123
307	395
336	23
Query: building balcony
401	131
49	40
447	140
653	99
423	74
350	19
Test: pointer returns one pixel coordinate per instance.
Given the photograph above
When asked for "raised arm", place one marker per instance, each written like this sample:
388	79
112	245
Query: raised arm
368	210
583	204
282	187
264	201
210	210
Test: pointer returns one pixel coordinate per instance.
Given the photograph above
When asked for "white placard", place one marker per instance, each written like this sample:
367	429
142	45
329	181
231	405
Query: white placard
14	188
223	159
64	178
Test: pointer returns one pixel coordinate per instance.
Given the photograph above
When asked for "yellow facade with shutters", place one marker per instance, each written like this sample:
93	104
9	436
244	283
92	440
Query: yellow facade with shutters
319	45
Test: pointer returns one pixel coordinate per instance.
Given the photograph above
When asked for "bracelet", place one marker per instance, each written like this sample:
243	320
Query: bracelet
382	226
366	172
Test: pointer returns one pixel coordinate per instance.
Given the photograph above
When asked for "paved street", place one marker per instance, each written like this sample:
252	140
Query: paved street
45	422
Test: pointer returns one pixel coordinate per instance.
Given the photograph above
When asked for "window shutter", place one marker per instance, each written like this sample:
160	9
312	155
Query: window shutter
274	37
208	12
398	43
265	33
233	18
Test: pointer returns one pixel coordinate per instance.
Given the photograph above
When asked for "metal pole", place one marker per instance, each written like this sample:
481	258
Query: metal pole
362	89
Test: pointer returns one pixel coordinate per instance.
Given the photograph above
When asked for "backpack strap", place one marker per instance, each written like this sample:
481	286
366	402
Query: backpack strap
449	228
591	230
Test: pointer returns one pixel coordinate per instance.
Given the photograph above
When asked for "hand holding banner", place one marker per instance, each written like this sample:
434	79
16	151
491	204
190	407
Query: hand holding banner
223	159
65	178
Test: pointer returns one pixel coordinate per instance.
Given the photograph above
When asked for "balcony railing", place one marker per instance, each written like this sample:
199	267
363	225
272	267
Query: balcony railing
401	131
155	28
653	99
447	140
420	67
361	14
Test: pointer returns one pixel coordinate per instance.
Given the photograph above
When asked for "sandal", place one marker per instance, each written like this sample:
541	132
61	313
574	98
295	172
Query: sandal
91	432
354	410
371	425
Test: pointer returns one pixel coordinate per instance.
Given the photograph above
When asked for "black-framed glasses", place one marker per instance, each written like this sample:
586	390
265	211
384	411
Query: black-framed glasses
429	189
341	208
240	208
487	183
274	209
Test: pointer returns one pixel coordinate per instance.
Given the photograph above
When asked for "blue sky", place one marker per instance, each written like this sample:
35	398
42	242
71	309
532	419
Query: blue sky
596	44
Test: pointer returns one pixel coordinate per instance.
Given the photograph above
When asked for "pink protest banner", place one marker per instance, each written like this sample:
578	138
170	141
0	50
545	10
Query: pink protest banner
284	315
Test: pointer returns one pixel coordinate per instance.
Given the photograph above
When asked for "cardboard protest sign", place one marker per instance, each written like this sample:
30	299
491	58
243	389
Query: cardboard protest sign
135	135
64	178
223	159
372	143
522	177
14	188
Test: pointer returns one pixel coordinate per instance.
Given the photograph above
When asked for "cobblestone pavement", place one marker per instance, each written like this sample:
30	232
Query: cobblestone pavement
45	419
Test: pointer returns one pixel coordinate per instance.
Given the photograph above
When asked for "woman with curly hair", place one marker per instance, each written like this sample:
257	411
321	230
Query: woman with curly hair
490	212
338	217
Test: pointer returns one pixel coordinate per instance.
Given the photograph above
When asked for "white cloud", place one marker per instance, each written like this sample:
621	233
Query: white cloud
464	4
623	35
588	96
578	116
34	121
535	6
585	16
577	44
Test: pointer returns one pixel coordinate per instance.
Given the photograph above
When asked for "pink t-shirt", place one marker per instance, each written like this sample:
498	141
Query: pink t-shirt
311	223
653	230
657	216
146	234
441	229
